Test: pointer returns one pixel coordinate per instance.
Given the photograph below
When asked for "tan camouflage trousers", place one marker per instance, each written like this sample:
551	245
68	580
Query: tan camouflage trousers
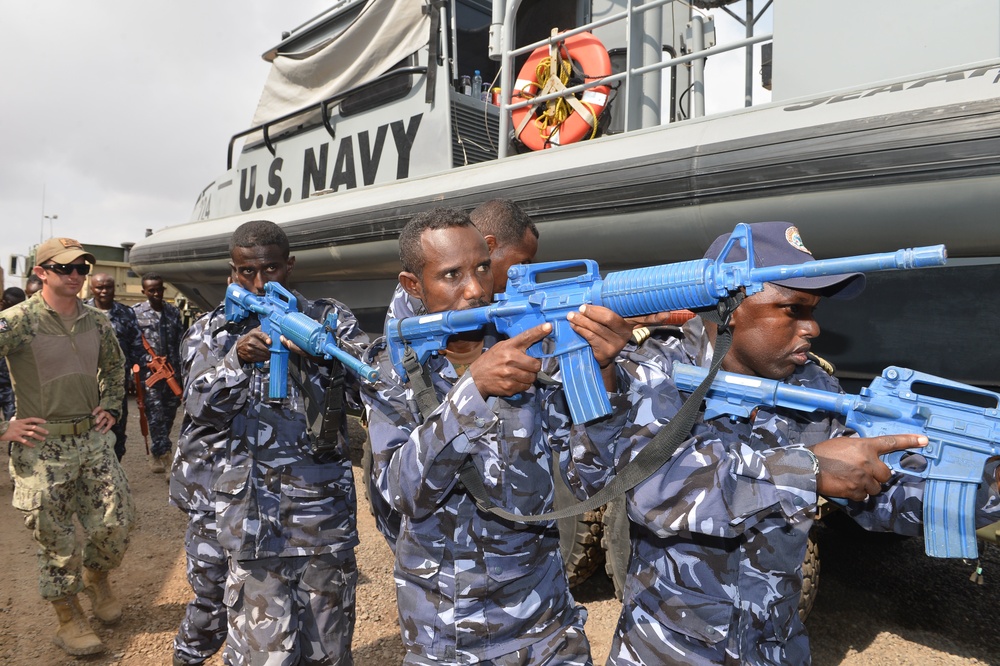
287	611
63	476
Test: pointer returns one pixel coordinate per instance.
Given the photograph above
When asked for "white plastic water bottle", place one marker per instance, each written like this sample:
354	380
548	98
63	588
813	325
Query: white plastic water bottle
477	84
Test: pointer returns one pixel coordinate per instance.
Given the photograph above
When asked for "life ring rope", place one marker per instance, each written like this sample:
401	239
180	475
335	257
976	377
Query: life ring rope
559	109
567	118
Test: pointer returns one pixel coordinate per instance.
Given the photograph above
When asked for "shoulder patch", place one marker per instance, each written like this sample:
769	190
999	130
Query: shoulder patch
4	326
794	239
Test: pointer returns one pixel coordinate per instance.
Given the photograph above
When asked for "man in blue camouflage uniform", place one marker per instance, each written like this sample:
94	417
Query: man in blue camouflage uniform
68	373
512	238
472	587
126	326
160	323
285	502
197	464
721	530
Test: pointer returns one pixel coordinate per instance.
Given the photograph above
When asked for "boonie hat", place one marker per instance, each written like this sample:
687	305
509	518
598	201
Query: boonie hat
780	244
61	251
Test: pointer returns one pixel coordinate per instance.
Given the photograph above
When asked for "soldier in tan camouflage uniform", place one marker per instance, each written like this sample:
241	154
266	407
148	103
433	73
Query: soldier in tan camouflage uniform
69	372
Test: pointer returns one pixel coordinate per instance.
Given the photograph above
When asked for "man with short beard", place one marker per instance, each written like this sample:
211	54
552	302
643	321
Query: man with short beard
68	373
471	587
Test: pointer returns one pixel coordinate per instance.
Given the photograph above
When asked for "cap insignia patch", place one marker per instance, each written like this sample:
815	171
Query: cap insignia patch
795	240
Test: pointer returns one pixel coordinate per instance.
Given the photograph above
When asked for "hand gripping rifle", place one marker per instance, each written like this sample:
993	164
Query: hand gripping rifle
686	285
963	434
160	369
140	399
279	316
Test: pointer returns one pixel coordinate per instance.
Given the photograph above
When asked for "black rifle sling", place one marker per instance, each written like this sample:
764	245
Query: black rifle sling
423	392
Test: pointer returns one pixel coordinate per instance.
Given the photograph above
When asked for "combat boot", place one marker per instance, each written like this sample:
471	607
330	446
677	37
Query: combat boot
74	634
106	606
156	464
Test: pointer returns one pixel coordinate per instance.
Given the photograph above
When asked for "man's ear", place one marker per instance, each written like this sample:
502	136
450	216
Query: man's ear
411	285
491	242
39	273
291	264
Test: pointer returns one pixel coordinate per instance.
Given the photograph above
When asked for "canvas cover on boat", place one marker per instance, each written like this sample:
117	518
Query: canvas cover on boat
385	32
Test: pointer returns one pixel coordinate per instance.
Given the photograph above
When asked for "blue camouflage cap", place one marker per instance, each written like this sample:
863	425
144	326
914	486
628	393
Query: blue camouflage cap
780	244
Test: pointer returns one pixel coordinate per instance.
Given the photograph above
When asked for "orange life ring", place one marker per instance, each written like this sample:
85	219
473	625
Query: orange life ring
591	62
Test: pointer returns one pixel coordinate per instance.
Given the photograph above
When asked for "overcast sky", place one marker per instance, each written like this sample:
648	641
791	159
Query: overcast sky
121	111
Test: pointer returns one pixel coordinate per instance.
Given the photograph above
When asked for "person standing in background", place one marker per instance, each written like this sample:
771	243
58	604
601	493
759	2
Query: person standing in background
160	325
126	326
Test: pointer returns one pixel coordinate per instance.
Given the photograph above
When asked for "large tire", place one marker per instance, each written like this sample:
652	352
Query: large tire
617	544
579	537
810	576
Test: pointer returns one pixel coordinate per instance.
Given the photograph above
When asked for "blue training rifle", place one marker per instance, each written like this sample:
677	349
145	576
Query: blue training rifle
962	434
642	291
279	316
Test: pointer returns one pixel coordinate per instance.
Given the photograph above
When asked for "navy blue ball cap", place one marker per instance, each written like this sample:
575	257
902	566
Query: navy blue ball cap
780	244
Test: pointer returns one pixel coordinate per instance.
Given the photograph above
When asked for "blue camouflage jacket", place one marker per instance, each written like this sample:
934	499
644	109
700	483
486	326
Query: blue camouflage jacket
201	449
274	496
163	330
471	586
7	402
126	326
715	572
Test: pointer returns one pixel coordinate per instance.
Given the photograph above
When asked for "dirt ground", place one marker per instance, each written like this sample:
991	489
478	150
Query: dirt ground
881	601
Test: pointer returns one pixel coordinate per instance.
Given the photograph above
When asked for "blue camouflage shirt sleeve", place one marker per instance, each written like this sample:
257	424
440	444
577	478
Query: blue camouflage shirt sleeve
216	387
417	465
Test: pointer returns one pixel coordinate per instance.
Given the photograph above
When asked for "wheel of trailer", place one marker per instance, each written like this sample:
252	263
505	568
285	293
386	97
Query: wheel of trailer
616	542
579	537
810	576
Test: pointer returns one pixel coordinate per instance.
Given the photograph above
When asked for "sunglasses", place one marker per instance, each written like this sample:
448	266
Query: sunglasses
66	269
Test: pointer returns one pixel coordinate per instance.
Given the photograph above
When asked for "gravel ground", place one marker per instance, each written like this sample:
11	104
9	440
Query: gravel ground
881	601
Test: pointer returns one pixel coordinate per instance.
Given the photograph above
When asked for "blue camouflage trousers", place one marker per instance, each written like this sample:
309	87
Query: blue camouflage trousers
567	647
63	476
161	409
118	429
203	629
285	611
